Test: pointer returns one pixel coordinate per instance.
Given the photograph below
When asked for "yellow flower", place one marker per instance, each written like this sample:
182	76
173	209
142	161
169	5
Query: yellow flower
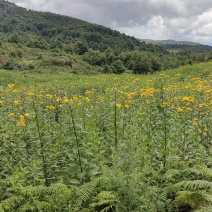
11	114
118	105
10	86
188	109
88	91
205	129
21	122
195	123
50	107
58	99
180	110
30	94
16	102
49	96
87	99
26	114
126	106
1	102
65	100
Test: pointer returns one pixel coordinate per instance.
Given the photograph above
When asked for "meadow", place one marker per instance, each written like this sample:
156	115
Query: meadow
106	142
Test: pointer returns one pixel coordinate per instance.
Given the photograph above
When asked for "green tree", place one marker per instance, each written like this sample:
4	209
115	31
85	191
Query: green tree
118	67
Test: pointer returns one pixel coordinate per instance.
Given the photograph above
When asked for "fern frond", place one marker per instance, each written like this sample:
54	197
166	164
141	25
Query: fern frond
108	208
41	205
105	201
194	199
11	202
171	173
193	185
57	188
205	209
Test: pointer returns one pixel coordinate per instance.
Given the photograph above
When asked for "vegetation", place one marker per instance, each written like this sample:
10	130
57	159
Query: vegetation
90	47
106	142
118	141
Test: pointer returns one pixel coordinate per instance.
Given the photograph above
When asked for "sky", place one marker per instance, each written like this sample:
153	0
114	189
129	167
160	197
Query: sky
182	20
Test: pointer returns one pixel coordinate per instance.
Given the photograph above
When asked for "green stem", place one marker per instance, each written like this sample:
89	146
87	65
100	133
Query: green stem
41	145
77	141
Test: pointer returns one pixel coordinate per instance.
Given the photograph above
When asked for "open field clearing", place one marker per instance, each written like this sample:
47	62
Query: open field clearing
137	135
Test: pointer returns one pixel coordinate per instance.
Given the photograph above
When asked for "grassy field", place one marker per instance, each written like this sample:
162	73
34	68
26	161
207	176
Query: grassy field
106	142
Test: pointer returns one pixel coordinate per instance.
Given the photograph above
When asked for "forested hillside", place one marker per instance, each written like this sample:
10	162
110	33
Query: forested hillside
59	40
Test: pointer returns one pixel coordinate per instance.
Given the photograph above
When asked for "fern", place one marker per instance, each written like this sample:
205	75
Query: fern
194	199
193	185
205	209
195	194
104	202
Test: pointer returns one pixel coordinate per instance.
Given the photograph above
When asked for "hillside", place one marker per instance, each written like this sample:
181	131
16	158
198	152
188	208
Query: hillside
46	41
180	45
164	42
56	27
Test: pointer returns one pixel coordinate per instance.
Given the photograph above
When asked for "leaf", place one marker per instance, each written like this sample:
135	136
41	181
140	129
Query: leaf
75	181
94	172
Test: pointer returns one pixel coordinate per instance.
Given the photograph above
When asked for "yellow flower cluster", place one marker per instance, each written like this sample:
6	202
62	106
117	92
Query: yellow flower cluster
21	122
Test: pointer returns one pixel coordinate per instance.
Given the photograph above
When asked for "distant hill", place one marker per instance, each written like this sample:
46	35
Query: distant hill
164	42
180	45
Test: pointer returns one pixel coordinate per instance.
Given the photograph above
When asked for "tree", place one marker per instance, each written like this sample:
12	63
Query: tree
80	47
118	67
142	66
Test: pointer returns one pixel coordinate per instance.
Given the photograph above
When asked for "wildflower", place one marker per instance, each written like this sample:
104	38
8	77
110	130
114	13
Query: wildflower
26	114
188	99
65	100
88	91
147	92
1	102
30	94
11	114
118	105
126	106
188	109
21	122
50	107
205	130
10	86
87	99
16	102
49	96
75	98
194	123
180	110
58	99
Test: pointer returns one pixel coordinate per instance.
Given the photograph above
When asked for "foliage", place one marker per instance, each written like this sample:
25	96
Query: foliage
96	45
105	142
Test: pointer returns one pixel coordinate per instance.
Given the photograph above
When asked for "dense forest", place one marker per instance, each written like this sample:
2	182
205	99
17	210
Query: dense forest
107	50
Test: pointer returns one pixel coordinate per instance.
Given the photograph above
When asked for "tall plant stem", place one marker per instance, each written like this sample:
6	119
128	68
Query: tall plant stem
77	140
164	130
41	145
115	121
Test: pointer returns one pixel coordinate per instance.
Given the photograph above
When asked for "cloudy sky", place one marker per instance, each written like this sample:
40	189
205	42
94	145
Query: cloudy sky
189	20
